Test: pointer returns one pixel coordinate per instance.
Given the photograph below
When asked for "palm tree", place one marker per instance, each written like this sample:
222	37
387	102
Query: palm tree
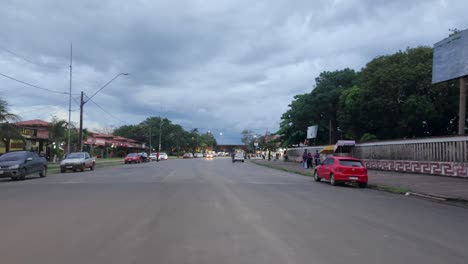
8	131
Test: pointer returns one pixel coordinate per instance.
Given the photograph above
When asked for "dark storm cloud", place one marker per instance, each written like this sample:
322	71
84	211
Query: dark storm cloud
219	65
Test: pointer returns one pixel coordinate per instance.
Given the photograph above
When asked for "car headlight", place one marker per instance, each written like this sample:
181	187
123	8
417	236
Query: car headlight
14	167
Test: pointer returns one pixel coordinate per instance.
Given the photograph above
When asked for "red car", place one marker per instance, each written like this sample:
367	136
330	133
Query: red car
188	156
133	158
342	169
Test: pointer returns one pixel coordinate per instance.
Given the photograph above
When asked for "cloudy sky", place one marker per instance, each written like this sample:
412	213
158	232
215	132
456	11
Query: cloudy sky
214	65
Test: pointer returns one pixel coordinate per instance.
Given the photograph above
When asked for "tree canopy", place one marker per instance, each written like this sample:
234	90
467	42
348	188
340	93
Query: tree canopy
391	97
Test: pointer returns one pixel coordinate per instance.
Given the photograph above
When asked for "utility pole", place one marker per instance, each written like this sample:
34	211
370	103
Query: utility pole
83	102
329	132
160	132
80	137
150	148
69	100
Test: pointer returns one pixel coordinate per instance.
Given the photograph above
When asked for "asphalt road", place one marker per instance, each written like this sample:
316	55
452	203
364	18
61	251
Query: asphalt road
214	211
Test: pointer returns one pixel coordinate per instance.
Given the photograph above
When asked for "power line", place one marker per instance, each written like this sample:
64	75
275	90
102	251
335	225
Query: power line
29	61
32	85
89	99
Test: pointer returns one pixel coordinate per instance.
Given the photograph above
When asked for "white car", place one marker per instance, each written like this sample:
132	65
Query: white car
152	156
198	155
238	157
163	156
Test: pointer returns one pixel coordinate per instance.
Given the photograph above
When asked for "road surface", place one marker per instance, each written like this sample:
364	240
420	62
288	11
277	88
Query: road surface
214	211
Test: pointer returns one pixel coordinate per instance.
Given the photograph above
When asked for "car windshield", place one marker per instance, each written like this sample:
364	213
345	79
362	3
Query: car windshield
12	156
351	163
132	155
75	156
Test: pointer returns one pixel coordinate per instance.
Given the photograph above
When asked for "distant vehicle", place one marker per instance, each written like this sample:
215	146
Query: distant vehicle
133	158
18	164
188	155
163	156
238	156
198	155
342	169
152	156
77	161
209	155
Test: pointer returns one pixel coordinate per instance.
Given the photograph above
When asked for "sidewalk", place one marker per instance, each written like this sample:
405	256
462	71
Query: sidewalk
437	186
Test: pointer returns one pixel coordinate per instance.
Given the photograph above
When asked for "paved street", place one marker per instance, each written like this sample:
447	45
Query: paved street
214	211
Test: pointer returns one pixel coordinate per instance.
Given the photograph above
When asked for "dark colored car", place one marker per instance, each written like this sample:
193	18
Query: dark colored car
18	164
133	158
342	169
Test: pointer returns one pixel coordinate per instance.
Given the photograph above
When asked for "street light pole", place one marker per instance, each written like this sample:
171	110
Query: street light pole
83	102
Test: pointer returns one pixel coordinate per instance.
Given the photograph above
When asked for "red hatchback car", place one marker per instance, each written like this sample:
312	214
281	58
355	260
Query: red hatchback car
342	169
133	158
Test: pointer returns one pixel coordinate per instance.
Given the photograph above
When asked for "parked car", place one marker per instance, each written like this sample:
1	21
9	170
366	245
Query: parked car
342	169
198	155
133	158
188	155
18	164
77	161
163	156
152	156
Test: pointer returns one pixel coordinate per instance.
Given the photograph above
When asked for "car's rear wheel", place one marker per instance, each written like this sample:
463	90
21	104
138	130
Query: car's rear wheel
362	184
92	167
316	177
43	173
332	180
82	168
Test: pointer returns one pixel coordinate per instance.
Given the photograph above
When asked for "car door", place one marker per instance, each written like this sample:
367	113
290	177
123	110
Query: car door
321	170
87	160
37	162
30	163
328	163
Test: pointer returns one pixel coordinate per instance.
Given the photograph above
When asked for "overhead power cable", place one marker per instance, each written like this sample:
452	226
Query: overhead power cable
100	107
32	85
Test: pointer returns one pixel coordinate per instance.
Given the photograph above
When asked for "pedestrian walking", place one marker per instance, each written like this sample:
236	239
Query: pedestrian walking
309	160
317	158
304	159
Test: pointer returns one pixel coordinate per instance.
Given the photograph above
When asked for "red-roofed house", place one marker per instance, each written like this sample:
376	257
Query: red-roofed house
35	133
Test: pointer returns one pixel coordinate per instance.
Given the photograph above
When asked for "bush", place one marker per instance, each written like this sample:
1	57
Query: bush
121	154
368	137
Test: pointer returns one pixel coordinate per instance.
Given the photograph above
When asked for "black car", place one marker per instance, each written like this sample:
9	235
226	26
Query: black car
18	164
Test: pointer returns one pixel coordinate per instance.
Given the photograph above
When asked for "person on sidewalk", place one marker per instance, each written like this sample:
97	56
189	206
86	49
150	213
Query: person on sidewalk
304	159
317	158
309	160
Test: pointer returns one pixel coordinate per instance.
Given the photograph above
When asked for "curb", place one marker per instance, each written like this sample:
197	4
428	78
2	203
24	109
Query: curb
394	190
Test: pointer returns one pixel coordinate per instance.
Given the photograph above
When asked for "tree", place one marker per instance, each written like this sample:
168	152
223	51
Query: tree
319	107
8	131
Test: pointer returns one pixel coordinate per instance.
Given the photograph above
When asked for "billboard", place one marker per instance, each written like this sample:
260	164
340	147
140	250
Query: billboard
312	132
450	58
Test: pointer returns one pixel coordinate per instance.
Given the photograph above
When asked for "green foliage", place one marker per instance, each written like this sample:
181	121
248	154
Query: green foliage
8	131
392	97
368	137
174	138
318	107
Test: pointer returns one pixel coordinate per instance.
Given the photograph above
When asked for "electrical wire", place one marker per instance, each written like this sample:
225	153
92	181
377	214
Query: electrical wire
100	107
32	85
